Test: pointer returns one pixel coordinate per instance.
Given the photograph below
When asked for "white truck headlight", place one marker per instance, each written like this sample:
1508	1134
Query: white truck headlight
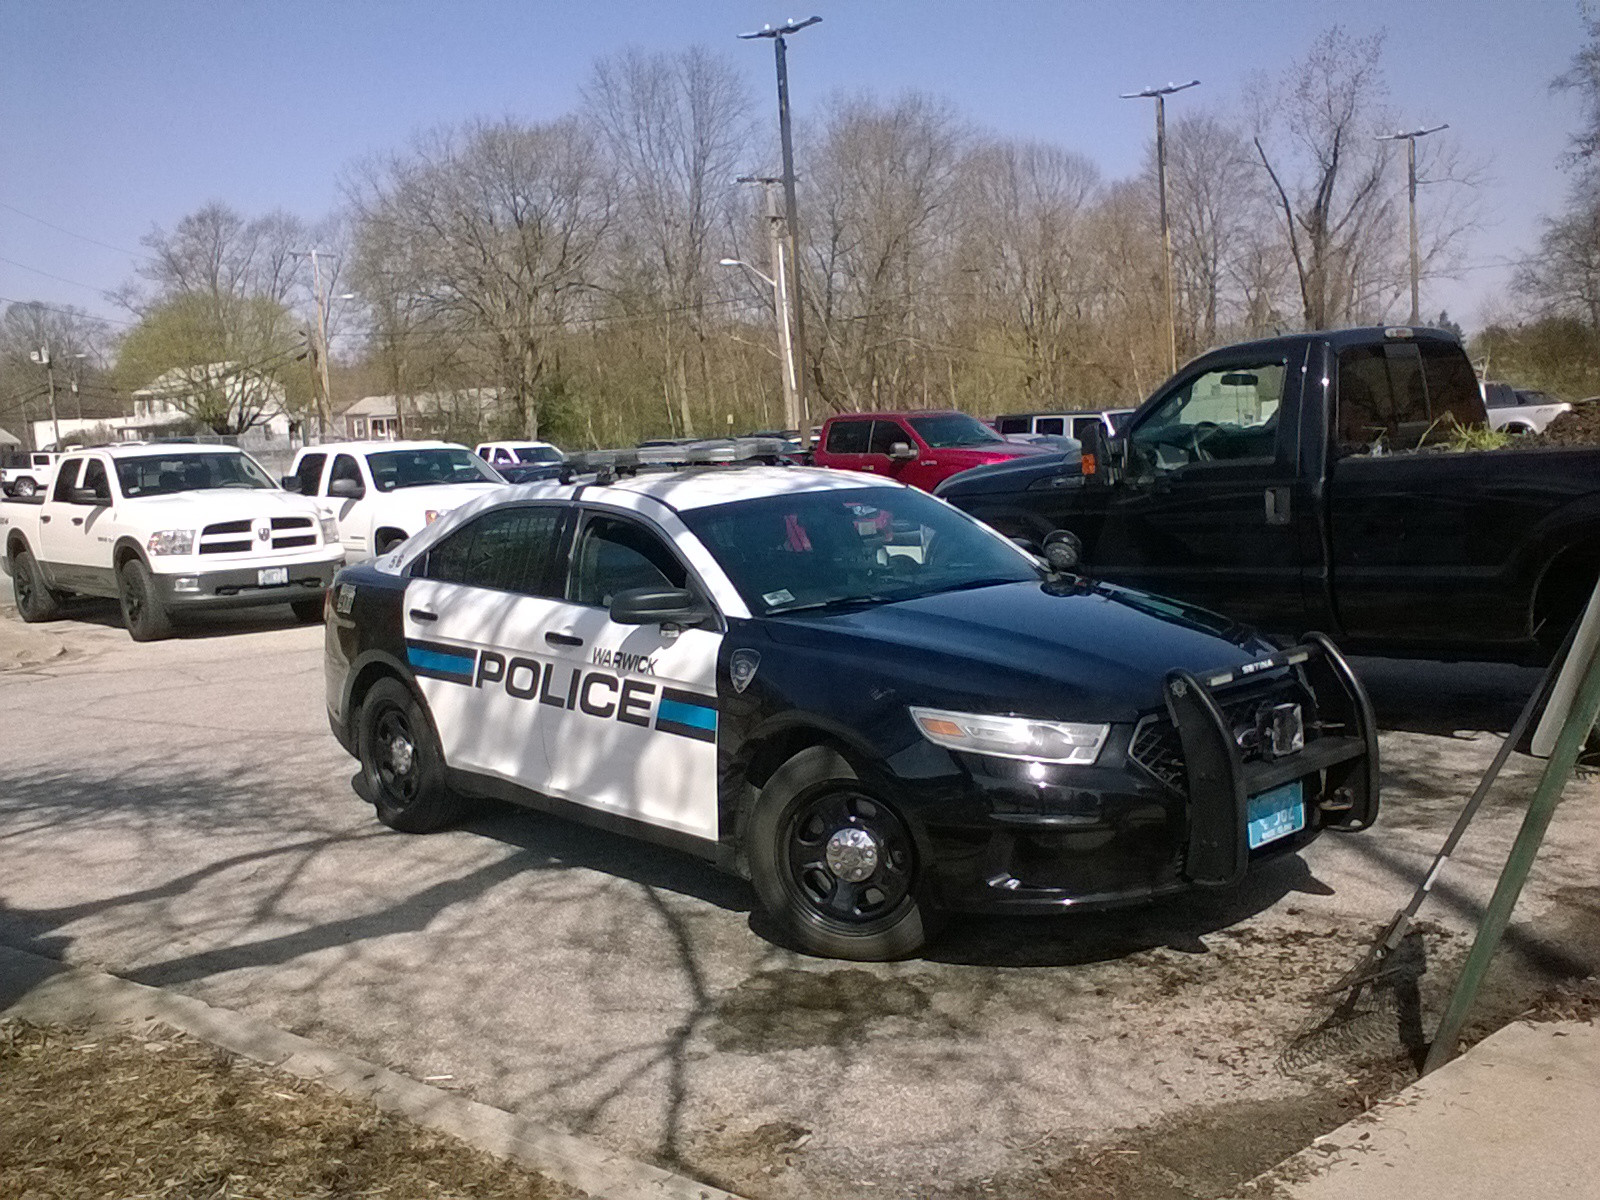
431	515
330	529
1012	737
171	541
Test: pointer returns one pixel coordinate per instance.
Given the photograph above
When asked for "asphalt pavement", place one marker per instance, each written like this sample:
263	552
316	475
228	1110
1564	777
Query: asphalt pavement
176	813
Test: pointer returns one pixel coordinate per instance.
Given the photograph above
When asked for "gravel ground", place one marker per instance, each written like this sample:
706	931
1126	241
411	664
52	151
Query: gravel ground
177	813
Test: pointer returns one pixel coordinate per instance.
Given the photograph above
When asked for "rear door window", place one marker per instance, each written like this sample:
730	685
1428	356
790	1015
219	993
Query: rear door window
309	473
1052	425
511	549
66	479
848	437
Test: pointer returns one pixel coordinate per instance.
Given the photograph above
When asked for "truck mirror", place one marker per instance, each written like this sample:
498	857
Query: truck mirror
901	451
1094	455
346	489
289	483
83	495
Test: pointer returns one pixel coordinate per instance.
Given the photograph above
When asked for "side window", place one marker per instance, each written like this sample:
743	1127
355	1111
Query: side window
344	467
1013	424
1226	413
885	434
94	478
509	550
66	479
848	437
1081	426
1057	425
1382	398
613	555
310	473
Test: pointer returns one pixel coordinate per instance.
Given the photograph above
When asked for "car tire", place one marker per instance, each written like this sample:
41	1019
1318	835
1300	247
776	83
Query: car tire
24	489
385	542
143	611
834	865
402	767
308	610
35	600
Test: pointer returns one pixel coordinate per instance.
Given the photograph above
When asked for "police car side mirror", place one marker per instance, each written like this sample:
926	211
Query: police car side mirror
656	606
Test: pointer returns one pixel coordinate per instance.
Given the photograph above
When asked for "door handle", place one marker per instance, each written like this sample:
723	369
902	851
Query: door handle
44	519
422	614
77	520
1277	505
563	639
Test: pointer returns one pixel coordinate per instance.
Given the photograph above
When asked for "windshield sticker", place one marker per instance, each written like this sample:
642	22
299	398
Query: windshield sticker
742	668
781	596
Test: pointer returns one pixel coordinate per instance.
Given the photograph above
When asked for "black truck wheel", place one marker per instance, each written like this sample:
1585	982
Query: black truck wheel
35	601
143	611
834	865
402	767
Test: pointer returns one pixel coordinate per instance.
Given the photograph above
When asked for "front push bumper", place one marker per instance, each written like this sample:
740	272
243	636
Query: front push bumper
243	587
1167	807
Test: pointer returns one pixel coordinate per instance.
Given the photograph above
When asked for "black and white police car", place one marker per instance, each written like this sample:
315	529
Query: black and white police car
870	704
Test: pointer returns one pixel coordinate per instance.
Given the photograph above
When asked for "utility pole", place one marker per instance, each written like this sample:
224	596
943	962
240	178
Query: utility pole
1410	139
778	281
1160	94
42	357
795	301
319	348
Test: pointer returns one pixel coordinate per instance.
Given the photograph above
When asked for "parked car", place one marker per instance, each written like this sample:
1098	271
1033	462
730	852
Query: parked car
1520	410
870	704
27	474
380	493
1280	482
509	454
1064	424
919	448
164	529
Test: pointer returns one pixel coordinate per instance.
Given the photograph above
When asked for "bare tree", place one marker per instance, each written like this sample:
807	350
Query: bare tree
78	345
490	232
676	127
881	210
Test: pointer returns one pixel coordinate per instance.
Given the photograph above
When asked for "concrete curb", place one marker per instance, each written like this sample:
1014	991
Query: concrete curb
45	991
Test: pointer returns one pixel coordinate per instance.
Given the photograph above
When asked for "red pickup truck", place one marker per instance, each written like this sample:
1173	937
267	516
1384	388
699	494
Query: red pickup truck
918	448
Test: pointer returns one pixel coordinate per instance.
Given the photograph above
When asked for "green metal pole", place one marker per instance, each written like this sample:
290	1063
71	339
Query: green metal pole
1557	771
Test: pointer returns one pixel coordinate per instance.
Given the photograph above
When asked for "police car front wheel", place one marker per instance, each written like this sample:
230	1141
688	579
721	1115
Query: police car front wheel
835	865
401	765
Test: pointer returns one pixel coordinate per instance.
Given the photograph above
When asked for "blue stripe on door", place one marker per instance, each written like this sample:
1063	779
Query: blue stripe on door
433	660
696	716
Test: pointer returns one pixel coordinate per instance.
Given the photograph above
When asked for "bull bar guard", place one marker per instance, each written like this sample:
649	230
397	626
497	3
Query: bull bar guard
1220	781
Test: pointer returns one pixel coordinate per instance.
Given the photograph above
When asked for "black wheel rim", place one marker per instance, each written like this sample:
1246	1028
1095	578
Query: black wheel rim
132	596
848	821
394	756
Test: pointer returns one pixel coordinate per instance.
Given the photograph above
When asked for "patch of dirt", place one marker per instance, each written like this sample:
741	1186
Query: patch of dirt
792	1010
1580	427
107	1113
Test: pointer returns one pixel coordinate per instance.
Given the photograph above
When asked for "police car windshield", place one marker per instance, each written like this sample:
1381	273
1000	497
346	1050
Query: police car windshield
166	474
856	546
393	469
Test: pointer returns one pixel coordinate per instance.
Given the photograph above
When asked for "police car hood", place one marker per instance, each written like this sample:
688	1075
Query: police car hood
1076	652
203	506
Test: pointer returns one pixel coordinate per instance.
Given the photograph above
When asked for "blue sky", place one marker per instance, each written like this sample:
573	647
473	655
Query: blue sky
116	116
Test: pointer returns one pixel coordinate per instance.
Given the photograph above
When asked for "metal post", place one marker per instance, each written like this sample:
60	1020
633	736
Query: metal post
326	415
1410	140
42	357
780	280
1160	94
795	298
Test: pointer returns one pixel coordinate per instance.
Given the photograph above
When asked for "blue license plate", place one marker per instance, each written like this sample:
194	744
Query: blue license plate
1275	814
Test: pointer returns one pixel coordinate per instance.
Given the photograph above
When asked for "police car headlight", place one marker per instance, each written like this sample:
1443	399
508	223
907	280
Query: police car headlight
171	541
330	529
1012	737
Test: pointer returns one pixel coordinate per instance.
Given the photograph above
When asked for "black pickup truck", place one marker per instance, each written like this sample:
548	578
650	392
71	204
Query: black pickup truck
1303	482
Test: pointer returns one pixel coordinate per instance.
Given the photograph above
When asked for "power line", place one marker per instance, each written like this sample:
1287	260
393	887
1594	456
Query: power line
69	312
72	233
58	278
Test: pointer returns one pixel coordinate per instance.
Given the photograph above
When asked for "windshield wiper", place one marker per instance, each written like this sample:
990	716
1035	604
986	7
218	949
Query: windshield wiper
837	602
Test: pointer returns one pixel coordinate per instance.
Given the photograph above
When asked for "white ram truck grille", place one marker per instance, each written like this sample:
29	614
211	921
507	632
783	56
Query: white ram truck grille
261	535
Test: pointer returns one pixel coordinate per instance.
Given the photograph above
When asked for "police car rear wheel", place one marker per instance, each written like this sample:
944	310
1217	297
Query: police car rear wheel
401	765
834	864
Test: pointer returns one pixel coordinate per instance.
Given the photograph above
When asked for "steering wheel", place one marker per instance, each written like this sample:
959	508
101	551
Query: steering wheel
1199	433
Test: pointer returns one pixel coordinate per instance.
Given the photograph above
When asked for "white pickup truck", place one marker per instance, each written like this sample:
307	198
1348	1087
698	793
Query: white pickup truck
167	528
1520	410
380	493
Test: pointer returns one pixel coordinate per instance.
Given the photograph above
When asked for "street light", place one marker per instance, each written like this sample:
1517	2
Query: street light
1410	139
791	386
791	209
1159	95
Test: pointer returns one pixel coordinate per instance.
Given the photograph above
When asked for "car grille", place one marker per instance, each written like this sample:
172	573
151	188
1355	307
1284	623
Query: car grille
238	537
1157	747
